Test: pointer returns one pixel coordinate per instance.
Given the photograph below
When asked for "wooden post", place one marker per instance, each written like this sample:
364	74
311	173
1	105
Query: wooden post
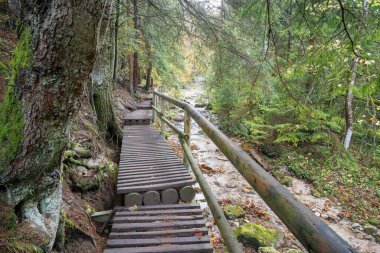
187	130
155	105
162	104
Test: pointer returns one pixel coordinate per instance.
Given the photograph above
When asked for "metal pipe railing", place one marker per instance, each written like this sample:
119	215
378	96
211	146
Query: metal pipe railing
314	235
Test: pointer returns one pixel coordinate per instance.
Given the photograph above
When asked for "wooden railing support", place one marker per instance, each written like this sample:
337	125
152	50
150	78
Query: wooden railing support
187	130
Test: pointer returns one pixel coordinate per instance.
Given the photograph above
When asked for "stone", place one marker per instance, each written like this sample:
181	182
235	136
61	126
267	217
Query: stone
256	236
294	251
268	250
233	211
356	226
369	229
324	216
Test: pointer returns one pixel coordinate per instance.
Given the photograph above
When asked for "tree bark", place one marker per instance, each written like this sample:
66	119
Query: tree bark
130	56
136	68
349	111
63	40
115	54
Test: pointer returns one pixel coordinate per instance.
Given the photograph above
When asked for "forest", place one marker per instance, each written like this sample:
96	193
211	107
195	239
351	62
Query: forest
292	87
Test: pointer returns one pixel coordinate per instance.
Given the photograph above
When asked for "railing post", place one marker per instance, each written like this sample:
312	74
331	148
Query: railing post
187	130
154	102
162	104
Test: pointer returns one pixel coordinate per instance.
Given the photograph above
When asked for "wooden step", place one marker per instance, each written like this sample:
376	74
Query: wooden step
159	228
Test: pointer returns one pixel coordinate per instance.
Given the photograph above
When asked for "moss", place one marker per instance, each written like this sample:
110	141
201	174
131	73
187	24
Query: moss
11	117
233	211
253	235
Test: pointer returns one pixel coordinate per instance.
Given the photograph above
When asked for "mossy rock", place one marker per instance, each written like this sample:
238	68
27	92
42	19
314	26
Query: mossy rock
268	250
233	211
256	236
82	184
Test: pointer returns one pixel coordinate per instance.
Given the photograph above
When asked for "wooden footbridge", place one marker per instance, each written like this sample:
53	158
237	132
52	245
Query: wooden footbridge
158	214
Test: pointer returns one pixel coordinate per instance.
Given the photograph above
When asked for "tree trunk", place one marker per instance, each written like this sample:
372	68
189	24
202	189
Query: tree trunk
136	68
102	96
148	84
115	54
130	56
349	111
63	39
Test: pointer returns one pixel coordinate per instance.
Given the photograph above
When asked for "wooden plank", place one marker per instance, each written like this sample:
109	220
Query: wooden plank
150	177
145	157
191	248
153	234
134	219
121	243
145	173
148	162
138	115
125	189
134	174
155	168
162	212
153	181
160	207
158	225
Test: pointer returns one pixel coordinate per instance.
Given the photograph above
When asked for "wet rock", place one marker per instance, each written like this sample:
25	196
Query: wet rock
256	236
233	211
369	229
268	250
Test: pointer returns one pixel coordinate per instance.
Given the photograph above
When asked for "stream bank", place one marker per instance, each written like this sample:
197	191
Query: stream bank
230	187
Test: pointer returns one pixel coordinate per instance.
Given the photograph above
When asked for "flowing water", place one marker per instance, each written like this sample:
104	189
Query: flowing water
230	187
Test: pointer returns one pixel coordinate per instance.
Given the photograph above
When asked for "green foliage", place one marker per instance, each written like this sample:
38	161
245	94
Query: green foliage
11	120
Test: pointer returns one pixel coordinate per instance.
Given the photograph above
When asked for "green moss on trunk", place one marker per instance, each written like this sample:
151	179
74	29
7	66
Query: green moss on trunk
11	117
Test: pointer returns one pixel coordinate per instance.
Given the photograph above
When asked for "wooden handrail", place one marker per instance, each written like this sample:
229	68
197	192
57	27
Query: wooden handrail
310	230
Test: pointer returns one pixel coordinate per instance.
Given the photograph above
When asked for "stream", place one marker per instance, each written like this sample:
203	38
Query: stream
230	187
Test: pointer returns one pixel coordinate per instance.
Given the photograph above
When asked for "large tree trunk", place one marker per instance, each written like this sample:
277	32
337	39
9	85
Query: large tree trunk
102	87
63	42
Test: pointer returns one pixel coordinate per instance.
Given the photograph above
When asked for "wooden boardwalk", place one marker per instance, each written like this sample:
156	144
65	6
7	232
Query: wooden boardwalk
148	163
151	176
